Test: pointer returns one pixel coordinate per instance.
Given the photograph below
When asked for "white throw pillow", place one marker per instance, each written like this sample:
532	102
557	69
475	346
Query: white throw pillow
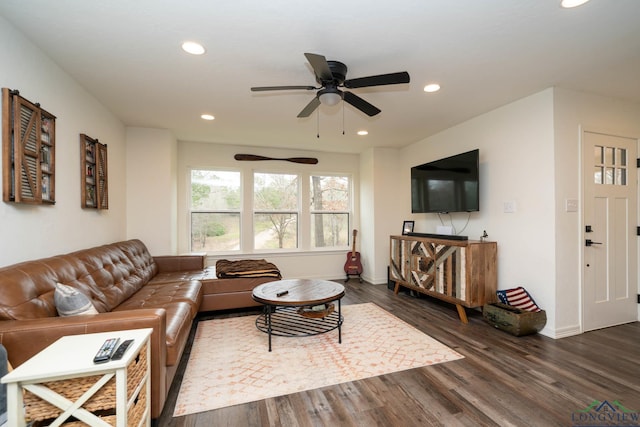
71	302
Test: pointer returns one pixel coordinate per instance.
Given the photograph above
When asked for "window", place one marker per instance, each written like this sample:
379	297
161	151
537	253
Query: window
289	211
215	210
275	210
610	165
330	207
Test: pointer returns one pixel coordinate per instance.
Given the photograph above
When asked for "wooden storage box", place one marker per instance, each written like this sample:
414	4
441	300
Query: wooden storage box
514	320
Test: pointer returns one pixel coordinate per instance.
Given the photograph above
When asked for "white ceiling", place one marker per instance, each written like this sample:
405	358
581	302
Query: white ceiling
484	53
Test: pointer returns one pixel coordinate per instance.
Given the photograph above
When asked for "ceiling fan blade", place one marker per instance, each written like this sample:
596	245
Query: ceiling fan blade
379	80
320	66
265	88
361	104
310	108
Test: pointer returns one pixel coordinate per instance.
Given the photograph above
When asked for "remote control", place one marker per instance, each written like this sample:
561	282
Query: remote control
122	348
106	350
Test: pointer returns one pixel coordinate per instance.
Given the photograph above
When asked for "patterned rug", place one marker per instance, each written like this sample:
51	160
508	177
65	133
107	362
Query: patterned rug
230	363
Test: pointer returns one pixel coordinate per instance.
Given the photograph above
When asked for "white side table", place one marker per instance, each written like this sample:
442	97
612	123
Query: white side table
62	381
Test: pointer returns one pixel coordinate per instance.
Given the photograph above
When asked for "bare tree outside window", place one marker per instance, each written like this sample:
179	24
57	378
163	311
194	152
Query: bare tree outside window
215	210
330	207
276	206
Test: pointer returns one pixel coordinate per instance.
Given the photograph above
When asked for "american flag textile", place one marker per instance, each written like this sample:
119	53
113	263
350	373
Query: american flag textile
519	298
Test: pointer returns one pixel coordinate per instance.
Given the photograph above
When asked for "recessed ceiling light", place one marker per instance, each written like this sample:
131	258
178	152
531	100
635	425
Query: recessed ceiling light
207	117
363	132
572	3
193	48
432	87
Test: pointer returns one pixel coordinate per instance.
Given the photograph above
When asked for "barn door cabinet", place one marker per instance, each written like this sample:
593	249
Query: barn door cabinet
28	151
94	180
461	272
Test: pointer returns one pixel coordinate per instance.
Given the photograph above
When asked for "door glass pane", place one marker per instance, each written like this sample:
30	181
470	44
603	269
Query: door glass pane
621	176
597	175
608	175
609	156
597	155
621	157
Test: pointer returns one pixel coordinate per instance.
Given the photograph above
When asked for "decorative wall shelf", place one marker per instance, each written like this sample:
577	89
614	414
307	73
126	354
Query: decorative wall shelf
28	151
94	180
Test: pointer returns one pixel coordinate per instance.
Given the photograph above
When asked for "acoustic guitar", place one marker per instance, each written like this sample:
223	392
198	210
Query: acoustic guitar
353	266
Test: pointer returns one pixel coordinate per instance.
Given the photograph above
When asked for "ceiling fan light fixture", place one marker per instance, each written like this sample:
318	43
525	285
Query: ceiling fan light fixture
329	97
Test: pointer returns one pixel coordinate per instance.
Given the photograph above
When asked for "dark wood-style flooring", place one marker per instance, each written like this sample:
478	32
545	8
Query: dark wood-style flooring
502	381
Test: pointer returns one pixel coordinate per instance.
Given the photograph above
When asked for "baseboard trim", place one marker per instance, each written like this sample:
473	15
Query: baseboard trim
565	332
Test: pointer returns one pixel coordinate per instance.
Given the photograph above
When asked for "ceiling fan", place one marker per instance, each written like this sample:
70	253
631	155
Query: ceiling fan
331	76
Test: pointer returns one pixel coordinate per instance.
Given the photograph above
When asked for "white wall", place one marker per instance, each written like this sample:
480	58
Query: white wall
29	232
295	264
529	154
574	112
516	164
380	202
367	221
152	157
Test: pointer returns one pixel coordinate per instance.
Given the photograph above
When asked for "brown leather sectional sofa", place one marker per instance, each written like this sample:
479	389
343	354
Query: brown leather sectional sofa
129	288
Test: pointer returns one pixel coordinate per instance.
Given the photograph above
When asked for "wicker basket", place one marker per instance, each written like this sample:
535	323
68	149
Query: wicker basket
104	399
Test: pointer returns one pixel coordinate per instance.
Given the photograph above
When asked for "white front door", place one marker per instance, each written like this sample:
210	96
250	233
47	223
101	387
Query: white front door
609	234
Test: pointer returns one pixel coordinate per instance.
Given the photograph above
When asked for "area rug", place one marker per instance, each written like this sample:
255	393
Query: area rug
230	363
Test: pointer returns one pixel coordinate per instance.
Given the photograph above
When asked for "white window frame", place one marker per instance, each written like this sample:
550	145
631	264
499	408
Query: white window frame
190	209
349	210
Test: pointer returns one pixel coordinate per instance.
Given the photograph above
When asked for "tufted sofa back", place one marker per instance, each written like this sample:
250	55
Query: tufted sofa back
107	274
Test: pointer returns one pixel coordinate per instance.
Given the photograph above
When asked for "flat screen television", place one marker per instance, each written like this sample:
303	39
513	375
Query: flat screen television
447	185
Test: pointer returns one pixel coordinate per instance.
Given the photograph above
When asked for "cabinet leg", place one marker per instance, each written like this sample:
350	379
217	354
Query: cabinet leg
396	288
462	314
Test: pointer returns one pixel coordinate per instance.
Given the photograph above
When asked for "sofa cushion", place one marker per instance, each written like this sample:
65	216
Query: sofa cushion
178	327
138	254
71	302
107	274
28	287
206	274
110	272
158	295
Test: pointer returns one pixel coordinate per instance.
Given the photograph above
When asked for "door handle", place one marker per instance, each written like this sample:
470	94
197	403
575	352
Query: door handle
589	242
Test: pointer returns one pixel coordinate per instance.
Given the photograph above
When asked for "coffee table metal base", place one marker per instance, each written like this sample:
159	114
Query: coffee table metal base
286	321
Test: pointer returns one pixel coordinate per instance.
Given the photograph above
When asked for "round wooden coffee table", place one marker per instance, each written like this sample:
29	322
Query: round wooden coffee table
299	307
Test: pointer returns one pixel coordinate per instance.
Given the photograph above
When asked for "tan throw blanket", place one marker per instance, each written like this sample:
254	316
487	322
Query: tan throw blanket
226	269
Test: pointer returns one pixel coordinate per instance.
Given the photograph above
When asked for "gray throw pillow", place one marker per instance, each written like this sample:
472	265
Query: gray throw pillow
70	302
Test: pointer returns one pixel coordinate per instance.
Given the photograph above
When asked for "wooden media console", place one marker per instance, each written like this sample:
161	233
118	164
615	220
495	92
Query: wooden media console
462	272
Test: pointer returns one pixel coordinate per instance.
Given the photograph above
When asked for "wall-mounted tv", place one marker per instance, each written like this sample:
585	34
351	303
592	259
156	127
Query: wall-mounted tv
447	185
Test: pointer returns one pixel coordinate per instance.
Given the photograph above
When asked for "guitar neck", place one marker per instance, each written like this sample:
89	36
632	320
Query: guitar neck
353	250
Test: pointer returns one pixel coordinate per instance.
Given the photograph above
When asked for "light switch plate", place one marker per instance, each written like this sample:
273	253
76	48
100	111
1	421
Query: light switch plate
509	207
571	205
